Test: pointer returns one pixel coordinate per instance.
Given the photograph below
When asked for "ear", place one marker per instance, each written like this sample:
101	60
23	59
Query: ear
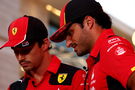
46	44
89	21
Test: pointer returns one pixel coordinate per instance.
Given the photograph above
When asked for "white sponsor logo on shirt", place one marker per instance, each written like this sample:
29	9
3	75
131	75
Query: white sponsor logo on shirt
113	46
113	40
92	78
92	88
120	51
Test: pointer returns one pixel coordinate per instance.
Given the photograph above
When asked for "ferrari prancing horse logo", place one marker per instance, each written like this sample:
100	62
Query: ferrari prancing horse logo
14	31
62	77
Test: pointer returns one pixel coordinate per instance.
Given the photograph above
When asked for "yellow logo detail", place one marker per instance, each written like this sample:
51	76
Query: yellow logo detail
62	77
14	31
133	69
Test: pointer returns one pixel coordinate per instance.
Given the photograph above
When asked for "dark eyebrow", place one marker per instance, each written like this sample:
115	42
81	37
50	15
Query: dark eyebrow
24	50
69	32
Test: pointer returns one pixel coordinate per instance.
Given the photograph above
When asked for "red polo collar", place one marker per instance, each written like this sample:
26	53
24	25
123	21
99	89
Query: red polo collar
53	67
97	46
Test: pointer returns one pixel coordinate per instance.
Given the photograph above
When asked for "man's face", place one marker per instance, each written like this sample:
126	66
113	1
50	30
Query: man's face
30	57
78	39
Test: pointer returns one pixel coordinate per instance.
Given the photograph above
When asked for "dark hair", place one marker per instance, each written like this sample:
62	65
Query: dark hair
40	42
101	18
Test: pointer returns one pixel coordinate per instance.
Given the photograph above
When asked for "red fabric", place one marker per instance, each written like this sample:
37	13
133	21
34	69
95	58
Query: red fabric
117	59
17	32
62	17
77	81
60	34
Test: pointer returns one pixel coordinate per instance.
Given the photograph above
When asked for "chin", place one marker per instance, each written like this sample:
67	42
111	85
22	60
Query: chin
82	53
79	54
27	69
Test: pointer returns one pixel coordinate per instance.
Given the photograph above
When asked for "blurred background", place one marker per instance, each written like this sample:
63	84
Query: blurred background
121	12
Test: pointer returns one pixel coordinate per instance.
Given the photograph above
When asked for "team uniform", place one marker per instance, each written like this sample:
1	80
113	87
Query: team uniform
110	63
58	76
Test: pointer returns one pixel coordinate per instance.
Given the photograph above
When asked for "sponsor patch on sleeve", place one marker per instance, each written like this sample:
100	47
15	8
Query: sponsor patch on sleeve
120	50
113	40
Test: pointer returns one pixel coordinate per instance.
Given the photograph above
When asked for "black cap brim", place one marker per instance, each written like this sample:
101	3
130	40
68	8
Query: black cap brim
60	34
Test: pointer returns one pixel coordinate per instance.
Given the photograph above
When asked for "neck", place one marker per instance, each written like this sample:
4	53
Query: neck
96	32
38	74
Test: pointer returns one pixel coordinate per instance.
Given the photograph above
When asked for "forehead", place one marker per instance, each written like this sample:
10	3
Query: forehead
75	26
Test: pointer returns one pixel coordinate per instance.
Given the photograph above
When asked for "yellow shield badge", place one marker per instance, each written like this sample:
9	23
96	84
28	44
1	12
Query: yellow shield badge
133	69
14	31
62	77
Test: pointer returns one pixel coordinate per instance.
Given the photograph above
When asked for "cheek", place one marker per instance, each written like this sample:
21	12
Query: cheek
77	36
36	59
35	55
82	38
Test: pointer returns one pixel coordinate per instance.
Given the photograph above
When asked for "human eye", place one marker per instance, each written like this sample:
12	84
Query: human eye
22	51
16	52
69	33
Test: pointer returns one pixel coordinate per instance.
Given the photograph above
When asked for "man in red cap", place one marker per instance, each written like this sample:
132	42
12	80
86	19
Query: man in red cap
28	38
87	29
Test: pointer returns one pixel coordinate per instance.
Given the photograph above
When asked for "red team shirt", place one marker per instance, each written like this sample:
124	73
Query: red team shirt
115	61
58	77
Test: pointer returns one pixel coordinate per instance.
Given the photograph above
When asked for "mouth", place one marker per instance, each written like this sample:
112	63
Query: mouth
74	45
24	63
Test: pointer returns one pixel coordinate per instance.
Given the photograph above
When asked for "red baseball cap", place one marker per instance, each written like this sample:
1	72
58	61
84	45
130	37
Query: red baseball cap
59	35
72	11
25	30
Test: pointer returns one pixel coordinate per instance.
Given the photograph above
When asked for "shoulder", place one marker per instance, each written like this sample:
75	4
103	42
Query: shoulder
117	40
73	71
65	75
117	45
68	68
20	84
114	39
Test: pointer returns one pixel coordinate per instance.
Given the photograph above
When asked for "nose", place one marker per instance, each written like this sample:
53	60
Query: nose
68	42
20	57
